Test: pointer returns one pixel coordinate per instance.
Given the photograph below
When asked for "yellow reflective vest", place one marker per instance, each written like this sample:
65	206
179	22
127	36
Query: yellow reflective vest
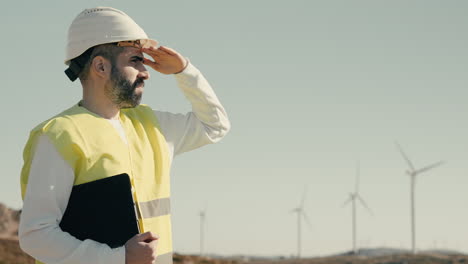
94	150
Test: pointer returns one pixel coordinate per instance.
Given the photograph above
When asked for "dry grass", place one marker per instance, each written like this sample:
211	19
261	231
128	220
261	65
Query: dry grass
10	253
395	259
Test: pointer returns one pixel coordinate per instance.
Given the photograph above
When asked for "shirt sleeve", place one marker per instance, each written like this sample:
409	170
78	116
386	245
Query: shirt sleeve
206	123
49	186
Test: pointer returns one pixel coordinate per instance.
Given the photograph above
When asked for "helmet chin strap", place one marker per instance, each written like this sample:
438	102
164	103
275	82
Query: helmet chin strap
77	65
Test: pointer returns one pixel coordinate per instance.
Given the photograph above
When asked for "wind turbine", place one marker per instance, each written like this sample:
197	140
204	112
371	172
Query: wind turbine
300	213
352	198
412	172
202	215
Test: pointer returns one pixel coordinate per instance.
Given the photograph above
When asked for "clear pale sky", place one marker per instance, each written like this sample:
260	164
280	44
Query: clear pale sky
310	87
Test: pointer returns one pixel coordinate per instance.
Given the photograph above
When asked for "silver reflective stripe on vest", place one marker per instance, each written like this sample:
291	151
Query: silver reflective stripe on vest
164	259
155	208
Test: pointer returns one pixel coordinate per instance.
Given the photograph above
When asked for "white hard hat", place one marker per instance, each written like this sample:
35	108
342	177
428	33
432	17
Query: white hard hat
102	25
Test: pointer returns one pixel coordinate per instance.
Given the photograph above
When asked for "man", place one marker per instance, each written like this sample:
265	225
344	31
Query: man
107	133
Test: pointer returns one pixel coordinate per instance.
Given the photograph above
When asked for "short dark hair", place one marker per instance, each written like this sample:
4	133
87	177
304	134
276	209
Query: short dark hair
109	51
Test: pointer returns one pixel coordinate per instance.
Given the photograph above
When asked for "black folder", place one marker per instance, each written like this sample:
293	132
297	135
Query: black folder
103	211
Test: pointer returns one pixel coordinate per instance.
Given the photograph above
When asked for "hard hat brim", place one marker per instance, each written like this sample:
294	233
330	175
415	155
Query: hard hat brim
145	43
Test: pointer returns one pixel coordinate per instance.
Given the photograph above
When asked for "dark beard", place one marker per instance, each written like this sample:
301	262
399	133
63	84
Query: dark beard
121	91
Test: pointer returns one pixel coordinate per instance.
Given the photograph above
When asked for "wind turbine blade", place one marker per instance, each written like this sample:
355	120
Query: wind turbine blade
437	164
306	218
347	201
405	157
364	204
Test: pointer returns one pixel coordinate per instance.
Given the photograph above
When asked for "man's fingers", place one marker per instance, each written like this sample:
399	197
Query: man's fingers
160	51
154	55
150	235
152	50
168	50
147	237
148	61
152	64
153	243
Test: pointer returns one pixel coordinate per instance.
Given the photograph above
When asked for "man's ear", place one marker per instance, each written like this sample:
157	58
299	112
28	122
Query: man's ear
100	66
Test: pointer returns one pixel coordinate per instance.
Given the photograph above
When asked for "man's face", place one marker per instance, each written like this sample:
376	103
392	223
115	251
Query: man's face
125	86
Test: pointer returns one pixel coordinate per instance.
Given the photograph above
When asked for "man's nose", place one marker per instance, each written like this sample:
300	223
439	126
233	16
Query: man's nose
144	74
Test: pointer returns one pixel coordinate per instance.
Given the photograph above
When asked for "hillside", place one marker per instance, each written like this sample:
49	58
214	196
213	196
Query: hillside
10	252
9	220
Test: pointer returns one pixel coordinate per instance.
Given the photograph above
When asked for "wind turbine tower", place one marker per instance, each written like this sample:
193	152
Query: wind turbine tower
352	198
300	214
412	172
202	215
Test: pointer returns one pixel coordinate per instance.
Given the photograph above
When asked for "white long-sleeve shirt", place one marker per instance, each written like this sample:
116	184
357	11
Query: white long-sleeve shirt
51	178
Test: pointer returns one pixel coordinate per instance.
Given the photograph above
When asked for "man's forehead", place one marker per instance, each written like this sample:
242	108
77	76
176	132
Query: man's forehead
131	51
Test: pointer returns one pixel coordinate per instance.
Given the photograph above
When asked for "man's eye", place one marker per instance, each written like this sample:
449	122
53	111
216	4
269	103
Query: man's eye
135	60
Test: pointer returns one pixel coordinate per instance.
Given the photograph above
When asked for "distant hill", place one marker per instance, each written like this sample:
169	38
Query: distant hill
10	252
375	252
420	258
379	252
9	222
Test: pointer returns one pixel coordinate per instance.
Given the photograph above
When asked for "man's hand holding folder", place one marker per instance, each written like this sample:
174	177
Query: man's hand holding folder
103	211
141	249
